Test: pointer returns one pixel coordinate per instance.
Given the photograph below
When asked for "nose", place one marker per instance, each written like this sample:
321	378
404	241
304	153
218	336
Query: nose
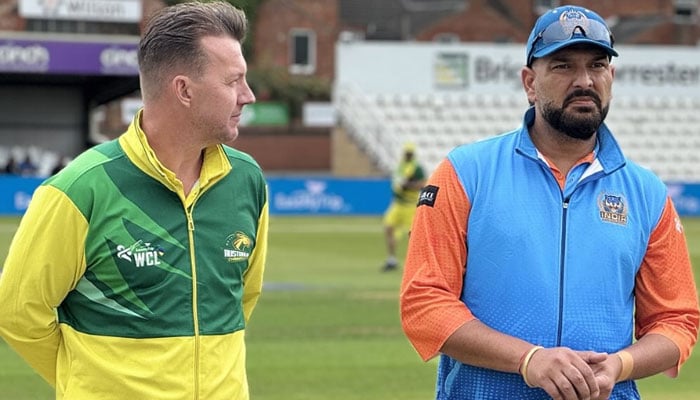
583	78
246	96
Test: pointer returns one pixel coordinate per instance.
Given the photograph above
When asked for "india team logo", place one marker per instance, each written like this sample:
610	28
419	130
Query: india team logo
612	208
237	247
570	19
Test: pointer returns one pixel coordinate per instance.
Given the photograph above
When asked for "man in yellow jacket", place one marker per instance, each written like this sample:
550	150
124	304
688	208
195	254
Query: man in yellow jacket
135	269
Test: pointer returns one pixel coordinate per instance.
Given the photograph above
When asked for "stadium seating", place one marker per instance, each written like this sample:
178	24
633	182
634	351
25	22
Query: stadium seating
43	160
660	133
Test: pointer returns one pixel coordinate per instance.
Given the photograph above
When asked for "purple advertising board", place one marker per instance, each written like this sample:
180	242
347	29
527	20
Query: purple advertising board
68	57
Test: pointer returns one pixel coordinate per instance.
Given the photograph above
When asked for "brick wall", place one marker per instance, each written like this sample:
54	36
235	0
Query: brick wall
511	21
287	149
276	18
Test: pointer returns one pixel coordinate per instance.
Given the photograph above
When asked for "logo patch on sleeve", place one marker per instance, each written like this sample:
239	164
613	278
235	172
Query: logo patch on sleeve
428	196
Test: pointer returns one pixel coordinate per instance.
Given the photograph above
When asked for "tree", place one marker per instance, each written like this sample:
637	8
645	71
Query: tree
249	7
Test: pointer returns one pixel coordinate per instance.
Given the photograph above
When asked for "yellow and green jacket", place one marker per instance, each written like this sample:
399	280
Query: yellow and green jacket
118	286
406	172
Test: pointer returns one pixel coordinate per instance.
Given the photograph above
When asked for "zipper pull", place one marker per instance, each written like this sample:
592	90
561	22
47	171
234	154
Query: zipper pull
190	222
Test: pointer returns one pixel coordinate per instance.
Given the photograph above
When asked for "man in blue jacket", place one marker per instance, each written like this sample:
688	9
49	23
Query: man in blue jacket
538	256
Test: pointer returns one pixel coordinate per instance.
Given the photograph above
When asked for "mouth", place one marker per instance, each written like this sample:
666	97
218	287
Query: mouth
582	102
583	99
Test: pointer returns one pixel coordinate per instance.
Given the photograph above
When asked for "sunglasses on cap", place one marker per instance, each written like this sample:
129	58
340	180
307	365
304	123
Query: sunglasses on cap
557	32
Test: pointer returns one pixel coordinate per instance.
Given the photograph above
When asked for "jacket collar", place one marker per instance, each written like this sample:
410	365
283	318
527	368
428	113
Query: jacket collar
608	151
135	144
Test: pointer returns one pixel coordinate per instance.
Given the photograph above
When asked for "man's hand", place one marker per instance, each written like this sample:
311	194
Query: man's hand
606	373
566	374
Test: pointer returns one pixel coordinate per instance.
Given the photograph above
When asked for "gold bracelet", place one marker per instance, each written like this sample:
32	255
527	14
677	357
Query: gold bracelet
627	365
526	361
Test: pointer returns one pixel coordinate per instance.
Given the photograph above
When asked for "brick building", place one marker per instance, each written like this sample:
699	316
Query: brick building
279	22
294	37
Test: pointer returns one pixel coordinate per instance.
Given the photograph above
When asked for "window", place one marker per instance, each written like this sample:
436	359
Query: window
685	11
302	51
446	38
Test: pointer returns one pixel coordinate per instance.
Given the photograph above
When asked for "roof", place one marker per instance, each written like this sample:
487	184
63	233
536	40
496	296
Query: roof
395	19
626	28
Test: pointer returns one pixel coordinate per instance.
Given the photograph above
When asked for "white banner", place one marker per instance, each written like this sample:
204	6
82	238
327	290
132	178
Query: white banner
383	67
82	10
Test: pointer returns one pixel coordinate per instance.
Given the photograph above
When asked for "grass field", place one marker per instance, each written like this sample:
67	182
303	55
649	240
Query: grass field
327	325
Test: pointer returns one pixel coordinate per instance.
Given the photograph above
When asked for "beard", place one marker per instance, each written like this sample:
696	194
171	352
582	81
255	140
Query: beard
578	125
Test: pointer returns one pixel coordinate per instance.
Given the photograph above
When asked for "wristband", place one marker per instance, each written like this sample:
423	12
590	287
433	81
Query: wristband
525	361
627	365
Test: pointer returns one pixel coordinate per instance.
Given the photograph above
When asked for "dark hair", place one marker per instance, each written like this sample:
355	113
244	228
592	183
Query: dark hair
172	38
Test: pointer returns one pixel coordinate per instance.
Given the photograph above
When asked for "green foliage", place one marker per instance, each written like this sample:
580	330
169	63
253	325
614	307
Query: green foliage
276	83
327	324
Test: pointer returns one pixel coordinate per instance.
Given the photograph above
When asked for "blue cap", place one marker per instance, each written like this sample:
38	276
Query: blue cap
565	26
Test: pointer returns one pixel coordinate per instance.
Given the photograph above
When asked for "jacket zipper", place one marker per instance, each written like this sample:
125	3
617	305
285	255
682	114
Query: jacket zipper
195	318
560	322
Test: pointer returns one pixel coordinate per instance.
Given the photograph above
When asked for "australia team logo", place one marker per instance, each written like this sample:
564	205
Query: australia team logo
612	208
237	247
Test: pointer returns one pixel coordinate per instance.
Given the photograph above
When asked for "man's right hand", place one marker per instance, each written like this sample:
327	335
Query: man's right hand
606	373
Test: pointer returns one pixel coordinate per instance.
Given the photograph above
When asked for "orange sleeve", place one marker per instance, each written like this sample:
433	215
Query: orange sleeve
431	309
666	296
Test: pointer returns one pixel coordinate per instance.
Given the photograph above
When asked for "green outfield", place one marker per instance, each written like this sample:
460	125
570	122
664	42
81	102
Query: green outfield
327	325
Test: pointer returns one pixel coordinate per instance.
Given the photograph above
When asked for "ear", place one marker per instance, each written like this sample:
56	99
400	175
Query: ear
527	77
181	86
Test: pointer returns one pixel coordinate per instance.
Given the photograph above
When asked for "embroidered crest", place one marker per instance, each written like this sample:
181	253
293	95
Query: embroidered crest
613	208
238	247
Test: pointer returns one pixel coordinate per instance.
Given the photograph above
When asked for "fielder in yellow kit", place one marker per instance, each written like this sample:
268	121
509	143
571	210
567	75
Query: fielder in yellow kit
407	181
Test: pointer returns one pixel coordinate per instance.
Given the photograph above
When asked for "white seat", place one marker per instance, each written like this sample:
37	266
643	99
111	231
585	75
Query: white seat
660	132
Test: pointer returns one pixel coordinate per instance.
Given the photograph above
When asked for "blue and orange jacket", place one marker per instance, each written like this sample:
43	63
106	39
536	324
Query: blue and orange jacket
554	260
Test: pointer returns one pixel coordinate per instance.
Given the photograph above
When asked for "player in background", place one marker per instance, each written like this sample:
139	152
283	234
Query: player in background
406	182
